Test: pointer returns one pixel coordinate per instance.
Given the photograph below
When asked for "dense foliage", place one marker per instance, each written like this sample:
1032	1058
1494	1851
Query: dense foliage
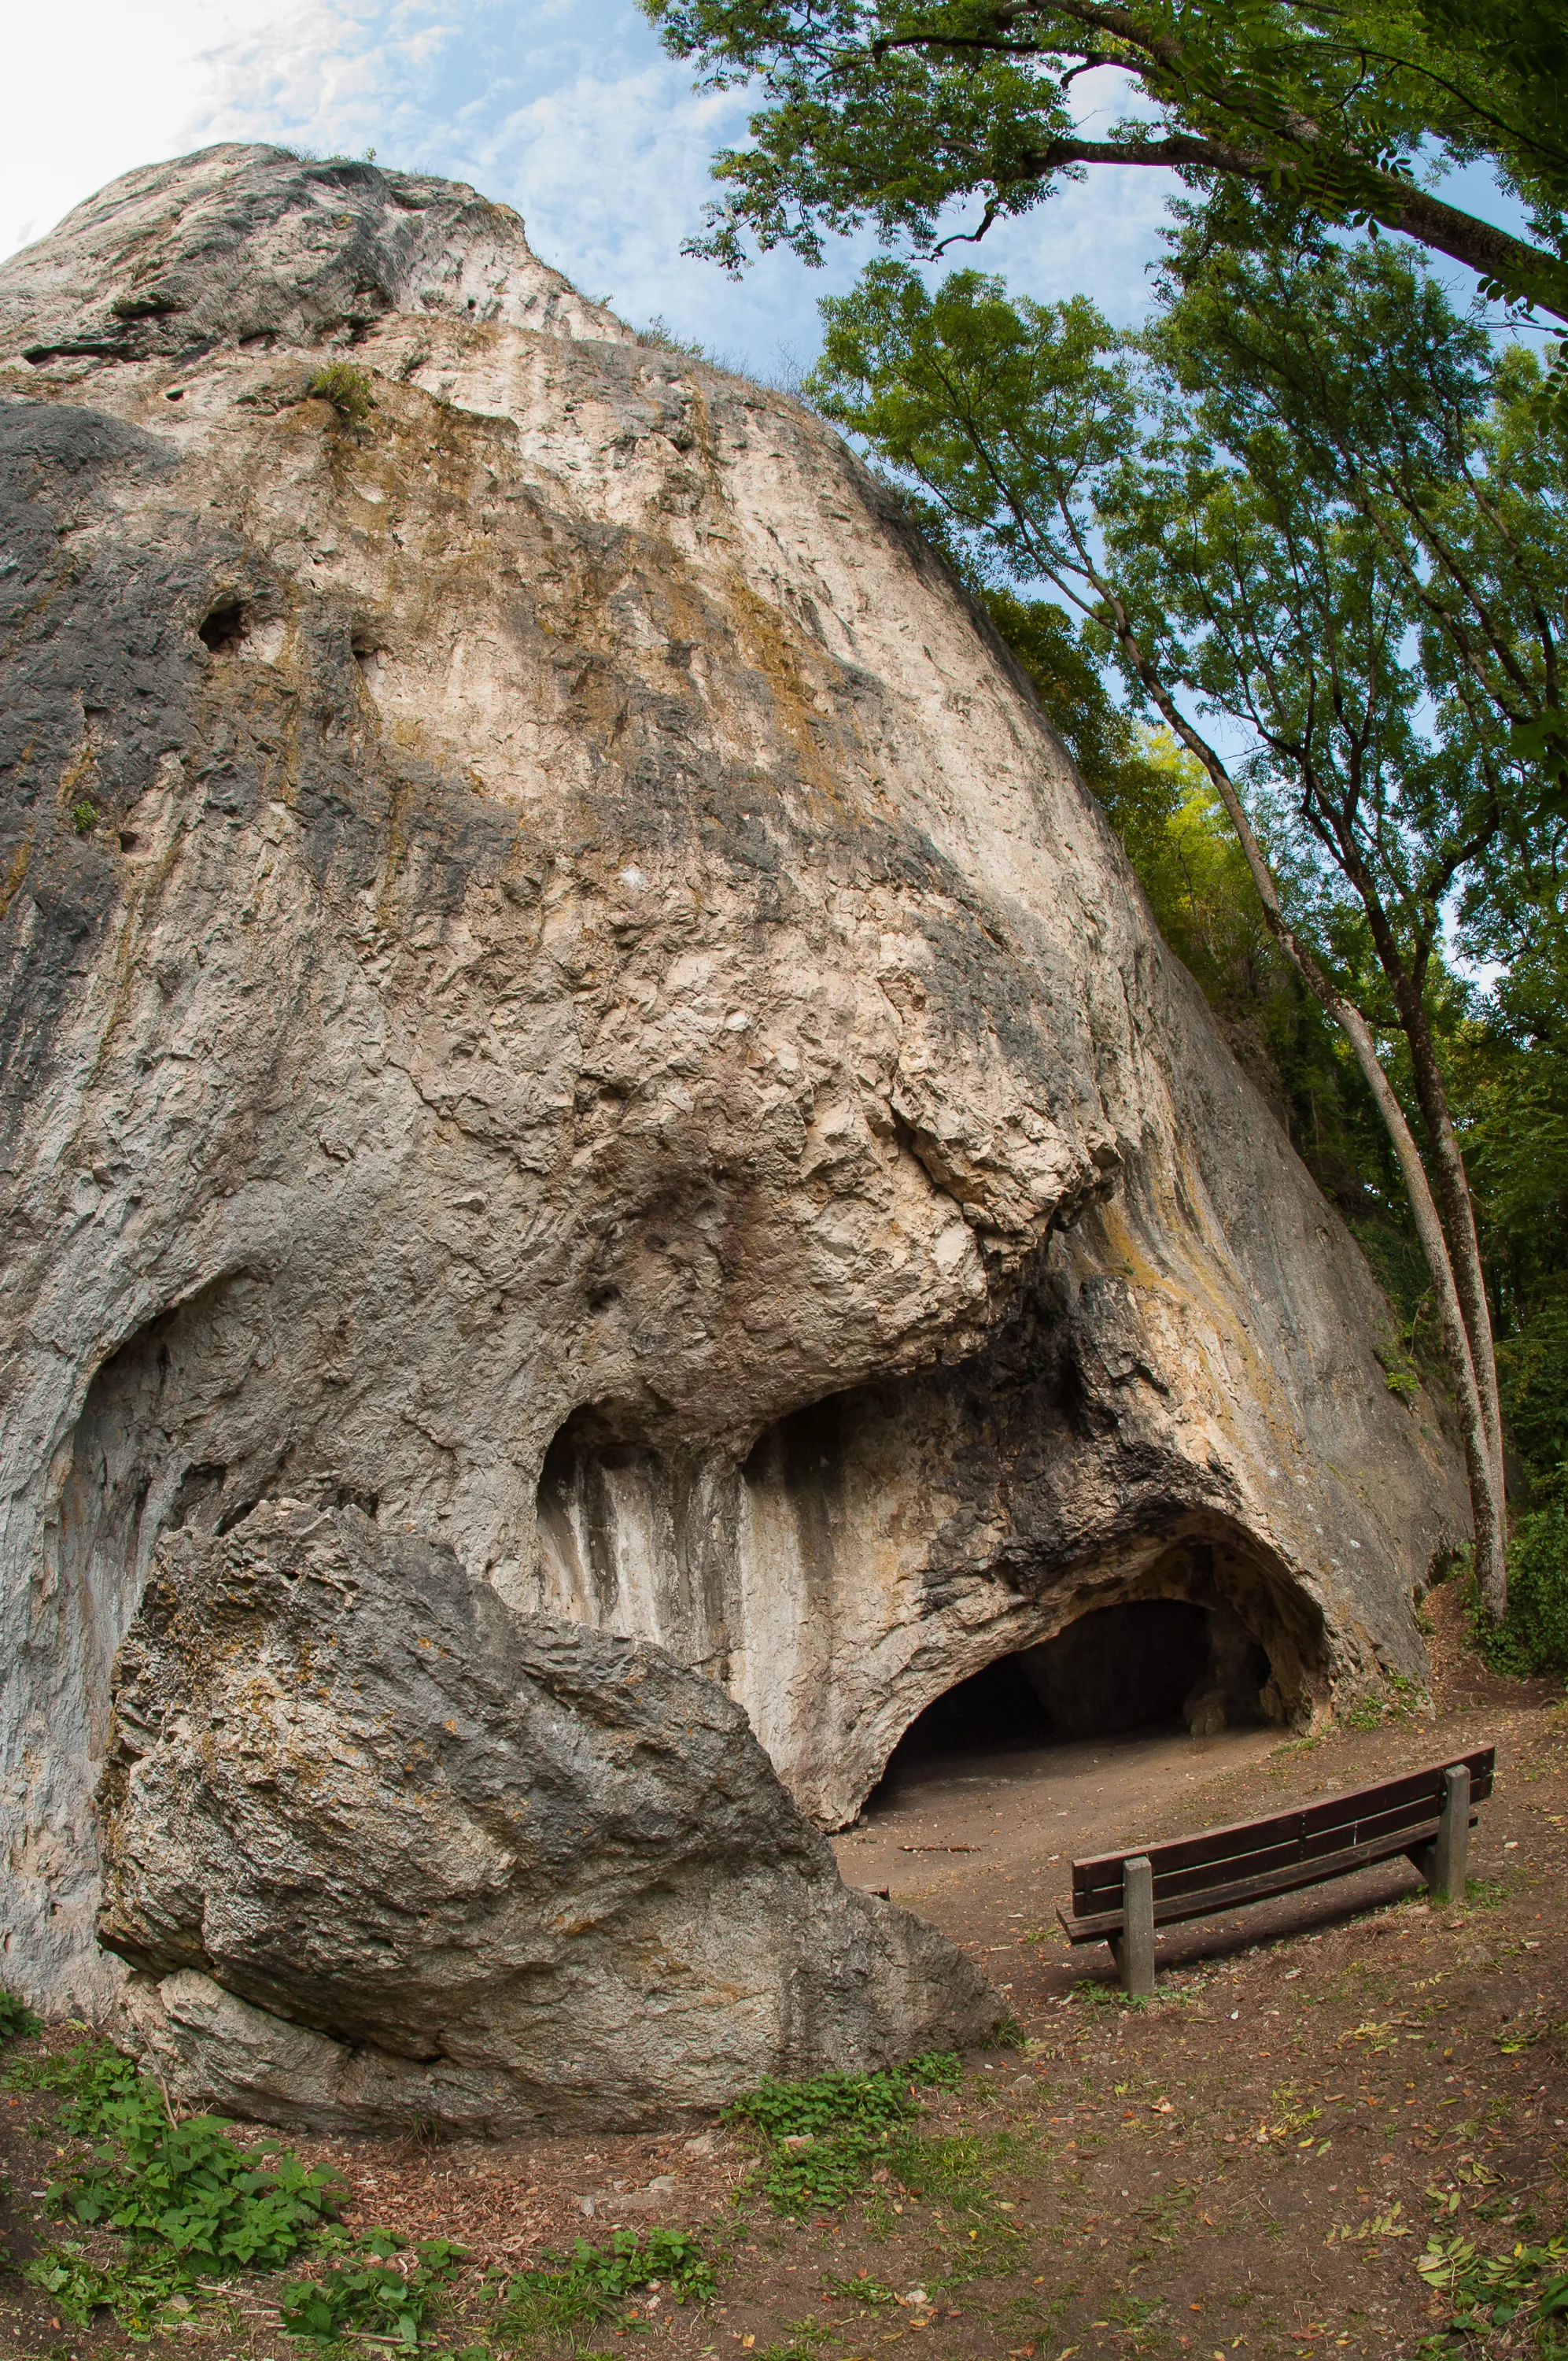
893	112
1322	505
194	2207
825	2138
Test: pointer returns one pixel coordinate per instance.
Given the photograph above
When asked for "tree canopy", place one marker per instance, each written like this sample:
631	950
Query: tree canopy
1312	499
892	112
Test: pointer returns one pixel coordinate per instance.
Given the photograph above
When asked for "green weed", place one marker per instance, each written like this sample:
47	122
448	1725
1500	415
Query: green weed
783	2109
861	2288
185	2185
142	2292
84	818
347	390
564	2293
368	2293
827	2137
802	2341
17	2019
1489	2292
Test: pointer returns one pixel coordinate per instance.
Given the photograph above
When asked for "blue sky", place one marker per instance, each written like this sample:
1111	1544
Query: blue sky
568	109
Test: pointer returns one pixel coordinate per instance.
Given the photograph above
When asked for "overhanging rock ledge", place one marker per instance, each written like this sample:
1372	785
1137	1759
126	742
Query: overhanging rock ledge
561	998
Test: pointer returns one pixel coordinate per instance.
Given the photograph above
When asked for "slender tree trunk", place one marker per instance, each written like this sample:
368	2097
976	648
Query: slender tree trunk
1458	1208
1483	1459
1452	1182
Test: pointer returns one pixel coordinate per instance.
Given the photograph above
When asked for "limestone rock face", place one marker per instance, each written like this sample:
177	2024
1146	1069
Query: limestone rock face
486	1866
228	248
559	990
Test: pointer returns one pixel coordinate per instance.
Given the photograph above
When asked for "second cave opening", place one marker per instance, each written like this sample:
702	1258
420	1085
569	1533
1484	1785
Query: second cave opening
1148	1664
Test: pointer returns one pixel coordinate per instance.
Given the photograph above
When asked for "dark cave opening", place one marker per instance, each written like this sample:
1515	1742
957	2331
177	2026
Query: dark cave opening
1146	1663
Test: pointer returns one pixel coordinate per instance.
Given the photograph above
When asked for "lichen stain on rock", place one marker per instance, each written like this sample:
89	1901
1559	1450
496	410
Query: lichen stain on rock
596	1024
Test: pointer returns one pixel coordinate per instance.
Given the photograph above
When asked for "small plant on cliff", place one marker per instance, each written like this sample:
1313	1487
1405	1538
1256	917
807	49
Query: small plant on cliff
346	388
84	818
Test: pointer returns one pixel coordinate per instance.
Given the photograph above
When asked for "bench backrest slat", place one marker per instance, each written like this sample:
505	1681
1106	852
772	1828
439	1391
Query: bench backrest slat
1315	1832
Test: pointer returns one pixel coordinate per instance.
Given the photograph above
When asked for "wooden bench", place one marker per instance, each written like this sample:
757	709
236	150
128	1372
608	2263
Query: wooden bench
1121	1898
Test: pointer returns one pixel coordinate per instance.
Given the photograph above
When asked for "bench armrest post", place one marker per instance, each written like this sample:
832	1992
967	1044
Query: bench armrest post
1134	1954
1451	1853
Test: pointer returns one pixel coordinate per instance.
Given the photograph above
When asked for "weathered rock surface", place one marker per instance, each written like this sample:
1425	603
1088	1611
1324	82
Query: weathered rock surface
558	989
488	1867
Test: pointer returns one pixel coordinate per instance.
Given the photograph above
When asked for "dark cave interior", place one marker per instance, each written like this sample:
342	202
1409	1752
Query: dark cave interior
1116	1670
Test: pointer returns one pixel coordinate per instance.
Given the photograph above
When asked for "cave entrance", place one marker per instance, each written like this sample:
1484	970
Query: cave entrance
1145	1664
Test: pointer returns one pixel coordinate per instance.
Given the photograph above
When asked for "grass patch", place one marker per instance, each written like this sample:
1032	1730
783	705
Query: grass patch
565	2292
824	2138
954	2174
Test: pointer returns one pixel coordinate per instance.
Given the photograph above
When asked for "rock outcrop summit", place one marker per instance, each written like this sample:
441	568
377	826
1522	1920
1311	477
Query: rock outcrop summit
562	1003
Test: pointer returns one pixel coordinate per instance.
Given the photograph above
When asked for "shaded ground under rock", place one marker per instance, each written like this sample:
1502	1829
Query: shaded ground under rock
1242	2166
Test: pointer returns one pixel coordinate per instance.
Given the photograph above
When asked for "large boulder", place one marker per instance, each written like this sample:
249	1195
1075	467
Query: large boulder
558	989
384	1848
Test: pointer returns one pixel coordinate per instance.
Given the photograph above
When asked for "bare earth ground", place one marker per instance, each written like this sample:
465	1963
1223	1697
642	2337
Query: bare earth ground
1248	2165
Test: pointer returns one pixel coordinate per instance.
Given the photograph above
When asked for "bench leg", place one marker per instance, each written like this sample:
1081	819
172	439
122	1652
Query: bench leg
1133	1952
1451	1853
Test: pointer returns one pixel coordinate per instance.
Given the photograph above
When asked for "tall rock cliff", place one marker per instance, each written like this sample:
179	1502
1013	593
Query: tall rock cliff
560	995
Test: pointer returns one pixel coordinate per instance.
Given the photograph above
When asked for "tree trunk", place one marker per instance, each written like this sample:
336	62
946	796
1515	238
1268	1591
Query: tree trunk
1482	1435
1452	1192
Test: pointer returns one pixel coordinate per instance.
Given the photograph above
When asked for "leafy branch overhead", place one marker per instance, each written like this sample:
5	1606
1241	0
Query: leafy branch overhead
892	112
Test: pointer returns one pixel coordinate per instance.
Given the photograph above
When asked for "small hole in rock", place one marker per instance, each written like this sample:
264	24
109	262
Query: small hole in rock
223	628
178	394
127	839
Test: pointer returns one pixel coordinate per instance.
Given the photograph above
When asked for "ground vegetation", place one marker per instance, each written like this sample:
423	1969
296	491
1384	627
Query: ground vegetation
1333	2129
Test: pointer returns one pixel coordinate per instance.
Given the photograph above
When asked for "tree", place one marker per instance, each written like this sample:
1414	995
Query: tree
1214	561
893	111
1175	832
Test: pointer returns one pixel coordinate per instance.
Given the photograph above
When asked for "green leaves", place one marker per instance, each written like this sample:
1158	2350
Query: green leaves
370	2294
194	2205
893	115
1009	415
783	2110
185	2184
1489	2292
569	2292
17	2019
827	2137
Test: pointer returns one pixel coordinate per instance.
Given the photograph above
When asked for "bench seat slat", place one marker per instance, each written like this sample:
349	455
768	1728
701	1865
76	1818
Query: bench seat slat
1175	1908
1323	1832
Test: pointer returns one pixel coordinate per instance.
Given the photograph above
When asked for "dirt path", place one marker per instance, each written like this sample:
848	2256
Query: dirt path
1248	2166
